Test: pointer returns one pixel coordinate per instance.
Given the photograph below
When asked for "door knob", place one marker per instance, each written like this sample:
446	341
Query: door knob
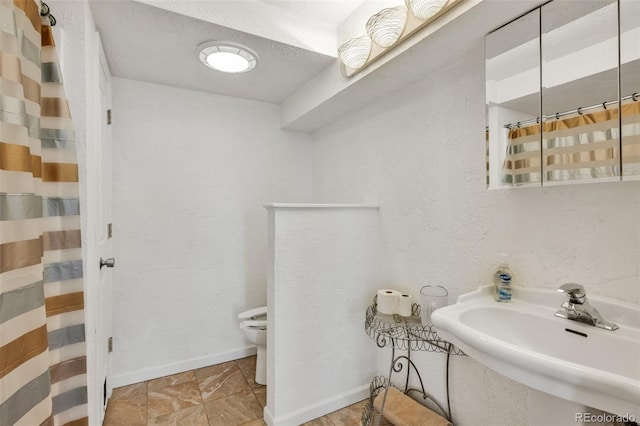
109	263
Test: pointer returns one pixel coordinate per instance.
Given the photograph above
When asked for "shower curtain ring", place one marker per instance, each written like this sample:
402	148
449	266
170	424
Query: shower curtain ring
557	116
518	124
634	96
45	11
604	105
580	110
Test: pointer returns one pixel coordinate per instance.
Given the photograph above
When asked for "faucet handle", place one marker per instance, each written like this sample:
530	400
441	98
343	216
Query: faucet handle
575	292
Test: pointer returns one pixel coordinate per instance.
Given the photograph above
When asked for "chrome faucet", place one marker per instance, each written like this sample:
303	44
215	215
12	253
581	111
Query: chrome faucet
579	309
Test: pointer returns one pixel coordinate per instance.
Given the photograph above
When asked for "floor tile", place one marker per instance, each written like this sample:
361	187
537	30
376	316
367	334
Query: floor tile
130	411
174	379
218	395
349	416
233	410
192	416
126	391
261	395
258	422
250	376
248	368
213	370
173	398
247	363
221	381
321	421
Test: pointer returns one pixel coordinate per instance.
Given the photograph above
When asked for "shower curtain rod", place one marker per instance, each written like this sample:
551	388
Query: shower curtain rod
635	96
45	11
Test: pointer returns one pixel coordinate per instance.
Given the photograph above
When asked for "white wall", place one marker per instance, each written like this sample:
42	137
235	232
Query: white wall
420	153
322	275
191	173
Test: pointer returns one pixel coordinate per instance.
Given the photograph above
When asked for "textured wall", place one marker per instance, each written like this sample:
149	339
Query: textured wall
420	153
322	275
191	173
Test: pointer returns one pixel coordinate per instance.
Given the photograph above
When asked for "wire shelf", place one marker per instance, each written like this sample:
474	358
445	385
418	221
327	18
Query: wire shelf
371	416
405	333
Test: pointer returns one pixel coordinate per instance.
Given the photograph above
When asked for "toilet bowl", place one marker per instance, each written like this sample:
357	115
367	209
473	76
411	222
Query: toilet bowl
254	325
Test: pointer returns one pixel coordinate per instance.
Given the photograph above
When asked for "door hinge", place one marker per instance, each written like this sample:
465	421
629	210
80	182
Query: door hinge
110	230
108	116
110	344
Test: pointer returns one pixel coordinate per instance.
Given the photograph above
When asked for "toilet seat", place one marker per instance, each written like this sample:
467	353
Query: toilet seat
253	314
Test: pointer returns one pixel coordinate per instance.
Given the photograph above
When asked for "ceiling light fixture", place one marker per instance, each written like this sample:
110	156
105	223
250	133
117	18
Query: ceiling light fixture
355	52
425	9
387	29
228	57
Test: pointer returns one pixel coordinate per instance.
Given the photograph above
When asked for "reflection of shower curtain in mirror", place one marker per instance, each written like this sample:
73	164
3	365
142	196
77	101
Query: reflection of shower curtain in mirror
631	139
522	160
584	146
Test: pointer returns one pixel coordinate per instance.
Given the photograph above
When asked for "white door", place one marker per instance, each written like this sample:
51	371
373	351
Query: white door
103	226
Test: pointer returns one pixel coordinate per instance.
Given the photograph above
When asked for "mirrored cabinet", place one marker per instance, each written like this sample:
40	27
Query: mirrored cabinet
513	102
630	87
556	81
579	53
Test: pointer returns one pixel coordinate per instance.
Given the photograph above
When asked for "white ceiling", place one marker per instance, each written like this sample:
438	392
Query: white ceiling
155	41
330	12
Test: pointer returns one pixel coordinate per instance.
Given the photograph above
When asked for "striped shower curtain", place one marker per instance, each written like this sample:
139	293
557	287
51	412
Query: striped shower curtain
42	337
576	148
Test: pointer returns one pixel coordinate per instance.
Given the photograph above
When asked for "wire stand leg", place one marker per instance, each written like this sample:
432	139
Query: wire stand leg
386	390
406	384
450	415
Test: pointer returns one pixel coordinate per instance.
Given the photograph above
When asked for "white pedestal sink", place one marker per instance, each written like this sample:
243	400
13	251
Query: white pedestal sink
524	341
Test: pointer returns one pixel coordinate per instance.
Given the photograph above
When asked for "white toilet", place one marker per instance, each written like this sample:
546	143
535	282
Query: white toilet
254	324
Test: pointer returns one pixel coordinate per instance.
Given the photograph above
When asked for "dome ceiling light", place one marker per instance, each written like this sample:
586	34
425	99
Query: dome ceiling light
227	57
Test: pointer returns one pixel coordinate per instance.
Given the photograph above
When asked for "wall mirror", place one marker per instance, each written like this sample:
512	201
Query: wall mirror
557	79
513	96
580	130
630	87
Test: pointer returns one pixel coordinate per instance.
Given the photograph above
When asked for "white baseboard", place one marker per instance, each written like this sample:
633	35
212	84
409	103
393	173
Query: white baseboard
318	409
268	416
138	376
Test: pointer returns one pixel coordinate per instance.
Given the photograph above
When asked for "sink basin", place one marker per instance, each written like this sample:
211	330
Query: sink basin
524	341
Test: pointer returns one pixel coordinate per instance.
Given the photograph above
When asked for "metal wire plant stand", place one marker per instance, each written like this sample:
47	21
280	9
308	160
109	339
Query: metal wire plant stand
403	334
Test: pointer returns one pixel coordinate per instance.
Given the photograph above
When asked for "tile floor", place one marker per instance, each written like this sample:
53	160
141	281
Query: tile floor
220	395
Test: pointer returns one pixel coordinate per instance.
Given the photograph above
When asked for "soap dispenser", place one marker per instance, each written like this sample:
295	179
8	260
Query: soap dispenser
503	290
503	268
502	280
